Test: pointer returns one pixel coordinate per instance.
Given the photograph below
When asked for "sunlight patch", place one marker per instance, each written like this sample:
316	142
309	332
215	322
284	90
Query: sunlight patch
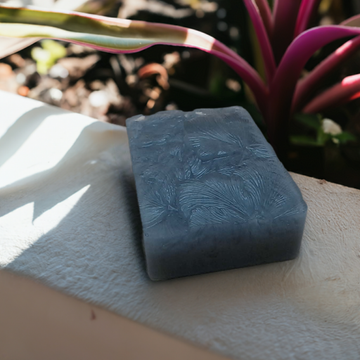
38	150
52	217
19	232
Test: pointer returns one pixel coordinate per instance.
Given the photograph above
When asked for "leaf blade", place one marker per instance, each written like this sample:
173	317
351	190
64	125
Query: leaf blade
104	33
307	86
306	11
266	16
289	70
9	45
285	13
261	33
347	90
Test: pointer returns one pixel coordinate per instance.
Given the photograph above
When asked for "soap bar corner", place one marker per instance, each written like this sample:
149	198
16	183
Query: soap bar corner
212	193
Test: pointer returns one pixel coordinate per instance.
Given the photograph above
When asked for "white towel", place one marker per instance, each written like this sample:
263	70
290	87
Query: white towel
69	219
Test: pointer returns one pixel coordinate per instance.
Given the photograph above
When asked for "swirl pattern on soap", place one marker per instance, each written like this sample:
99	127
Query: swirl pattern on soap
208	168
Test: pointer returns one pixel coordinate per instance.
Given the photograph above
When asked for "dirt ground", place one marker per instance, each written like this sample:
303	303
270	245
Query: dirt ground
112	87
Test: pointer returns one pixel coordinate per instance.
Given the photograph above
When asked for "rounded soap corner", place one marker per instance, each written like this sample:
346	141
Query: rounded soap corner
241	110
305	206
135	118
128	121
153	275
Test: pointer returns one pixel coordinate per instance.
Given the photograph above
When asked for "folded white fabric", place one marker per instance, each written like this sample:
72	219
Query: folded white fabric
69	218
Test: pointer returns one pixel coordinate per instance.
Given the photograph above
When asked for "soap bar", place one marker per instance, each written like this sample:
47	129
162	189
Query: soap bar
212	193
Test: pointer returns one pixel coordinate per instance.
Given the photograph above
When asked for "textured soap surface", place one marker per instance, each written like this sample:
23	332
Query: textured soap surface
212	193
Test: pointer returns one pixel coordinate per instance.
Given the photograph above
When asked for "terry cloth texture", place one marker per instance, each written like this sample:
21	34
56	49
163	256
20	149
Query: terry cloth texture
69	219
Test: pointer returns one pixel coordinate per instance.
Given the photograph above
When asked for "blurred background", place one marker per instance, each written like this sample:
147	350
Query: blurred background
112	88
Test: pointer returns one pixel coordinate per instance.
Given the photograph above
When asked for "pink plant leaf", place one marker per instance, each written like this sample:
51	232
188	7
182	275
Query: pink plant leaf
262	36
353	21
10	45
266	16
285	13
307	9
302	48
311	82
121	36
307	86
347	90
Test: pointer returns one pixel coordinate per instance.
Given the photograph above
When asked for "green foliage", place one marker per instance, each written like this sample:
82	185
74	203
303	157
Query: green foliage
322	136
47	55
309	120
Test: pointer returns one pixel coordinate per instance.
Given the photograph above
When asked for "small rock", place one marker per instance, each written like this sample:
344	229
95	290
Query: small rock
58	71
55	94
98	98
77	67
17	60
331	127
233	85
5	71
20	78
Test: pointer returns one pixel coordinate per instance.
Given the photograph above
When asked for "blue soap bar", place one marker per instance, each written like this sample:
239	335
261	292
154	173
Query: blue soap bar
212	193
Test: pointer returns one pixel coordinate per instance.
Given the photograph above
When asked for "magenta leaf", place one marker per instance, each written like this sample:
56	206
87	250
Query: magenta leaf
303	47
262	36
353	21
266	16
285	14
121	36
347	90
250	76
307	9
307	86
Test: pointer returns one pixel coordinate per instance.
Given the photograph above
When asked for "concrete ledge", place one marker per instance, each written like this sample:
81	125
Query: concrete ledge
39	323
68	218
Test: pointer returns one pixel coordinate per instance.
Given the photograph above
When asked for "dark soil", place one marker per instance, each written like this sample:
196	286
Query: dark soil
112	88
